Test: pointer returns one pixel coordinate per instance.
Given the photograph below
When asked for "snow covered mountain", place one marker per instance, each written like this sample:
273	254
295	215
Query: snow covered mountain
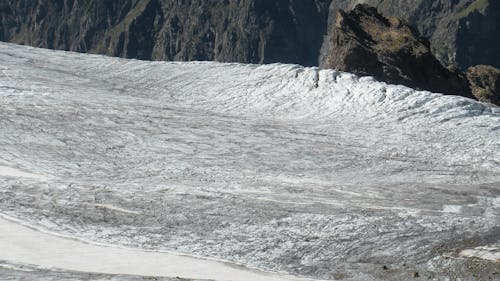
313	173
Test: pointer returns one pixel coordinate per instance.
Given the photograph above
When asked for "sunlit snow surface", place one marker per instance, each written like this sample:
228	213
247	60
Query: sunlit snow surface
314	173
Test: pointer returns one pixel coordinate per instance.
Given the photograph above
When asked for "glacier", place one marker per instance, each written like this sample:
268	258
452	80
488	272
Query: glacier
314	173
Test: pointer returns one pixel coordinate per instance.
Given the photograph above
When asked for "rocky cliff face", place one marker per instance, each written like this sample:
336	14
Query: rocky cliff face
366	43
461	32
252	31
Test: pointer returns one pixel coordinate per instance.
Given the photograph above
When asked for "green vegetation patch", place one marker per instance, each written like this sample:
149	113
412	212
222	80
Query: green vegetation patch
136	11
474	6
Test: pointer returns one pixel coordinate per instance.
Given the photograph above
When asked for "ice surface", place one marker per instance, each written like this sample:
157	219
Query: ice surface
487	253
311	172
47	250
15	173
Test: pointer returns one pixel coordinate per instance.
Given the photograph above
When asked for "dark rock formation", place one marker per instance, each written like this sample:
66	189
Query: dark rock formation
485	83
461	32
478	35
366	43
252	31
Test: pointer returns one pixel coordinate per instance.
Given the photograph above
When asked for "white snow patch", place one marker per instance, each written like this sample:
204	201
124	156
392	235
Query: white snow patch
22	244
496	202
491	253
12	172
455	209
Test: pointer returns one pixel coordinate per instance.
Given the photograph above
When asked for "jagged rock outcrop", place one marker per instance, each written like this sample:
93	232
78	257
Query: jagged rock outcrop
251	31
485	83
366	43
461	32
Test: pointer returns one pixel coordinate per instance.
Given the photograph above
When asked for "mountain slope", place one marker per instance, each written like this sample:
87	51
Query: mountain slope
256	31
462	32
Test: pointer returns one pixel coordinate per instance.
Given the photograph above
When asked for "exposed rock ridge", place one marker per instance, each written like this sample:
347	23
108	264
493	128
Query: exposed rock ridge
461	32
366	43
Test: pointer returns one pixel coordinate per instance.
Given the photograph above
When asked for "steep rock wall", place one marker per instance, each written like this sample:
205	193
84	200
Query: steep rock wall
252	31
461	32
